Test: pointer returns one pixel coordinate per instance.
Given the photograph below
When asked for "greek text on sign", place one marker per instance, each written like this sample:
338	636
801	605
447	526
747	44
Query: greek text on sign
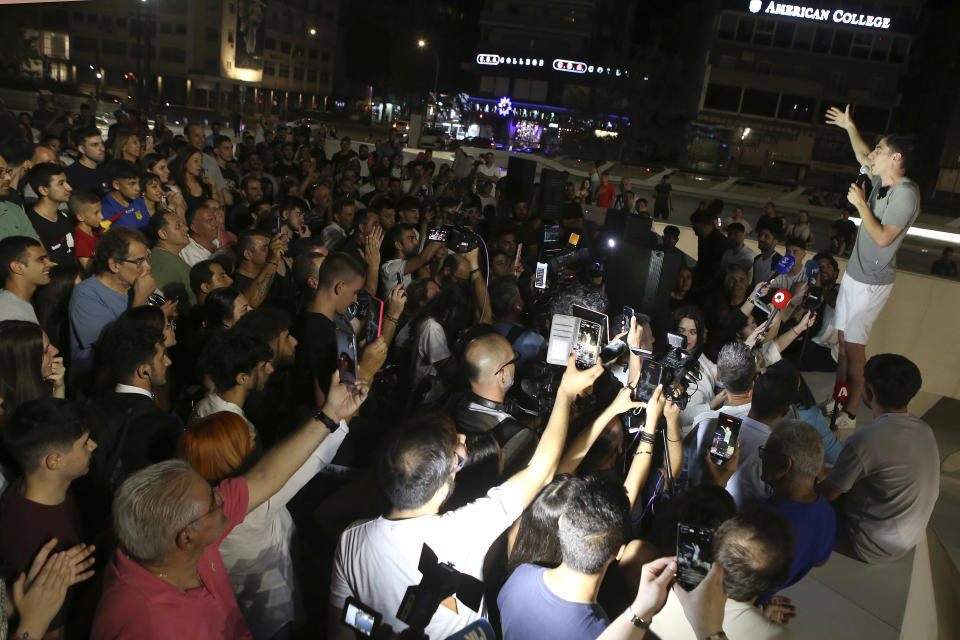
823	15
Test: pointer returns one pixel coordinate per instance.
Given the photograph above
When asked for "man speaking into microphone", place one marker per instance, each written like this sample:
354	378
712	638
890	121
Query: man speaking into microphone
886	214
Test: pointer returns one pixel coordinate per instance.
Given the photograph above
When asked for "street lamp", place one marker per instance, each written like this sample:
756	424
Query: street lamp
436	72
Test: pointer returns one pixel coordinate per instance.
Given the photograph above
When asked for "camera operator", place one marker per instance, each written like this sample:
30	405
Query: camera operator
403	257
703	396
377	560
891	207
490	365
820	352
507	305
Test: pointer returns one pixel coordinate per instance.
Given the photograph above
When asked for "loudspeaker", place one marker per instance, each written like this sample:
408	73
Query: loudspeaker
520	175
643	278
551	193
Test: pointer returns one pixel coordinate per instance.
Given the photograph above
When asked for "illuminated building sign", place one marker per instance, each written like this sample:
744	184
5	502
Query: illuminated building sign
823	15
558	64
569	65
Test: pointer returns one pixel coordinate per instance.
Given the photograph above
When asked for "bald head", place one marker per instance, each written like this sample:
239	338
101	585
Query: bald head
484	359
43	153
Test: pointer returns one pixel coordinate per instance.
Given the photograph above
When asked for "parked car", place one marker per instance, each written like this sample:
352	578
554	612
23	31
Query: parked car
434	138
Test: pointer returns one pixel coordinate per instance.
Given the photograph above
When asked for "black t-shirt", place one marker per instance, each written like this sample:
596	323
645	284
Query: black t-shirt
316	352
81	178
56	236
662	190
241	281
281	170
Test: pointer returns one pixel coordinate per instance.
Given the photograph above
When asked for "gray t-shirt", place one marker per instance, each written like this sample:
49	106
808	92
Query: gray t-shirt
869	263
13	307
890	472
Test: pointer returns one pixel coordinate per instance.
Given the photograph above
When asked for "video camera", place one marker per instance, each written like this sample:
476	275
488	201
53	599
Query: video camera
440	581
675	369
457	239
458	236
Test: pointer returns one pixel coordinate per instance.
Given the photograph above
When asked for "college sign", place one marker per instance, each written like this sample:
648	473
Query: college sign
822	15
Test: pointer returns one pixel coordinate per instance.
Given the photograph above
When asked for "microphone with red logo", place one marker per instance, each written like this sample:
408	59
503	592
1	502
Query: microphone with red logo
780	300
840	394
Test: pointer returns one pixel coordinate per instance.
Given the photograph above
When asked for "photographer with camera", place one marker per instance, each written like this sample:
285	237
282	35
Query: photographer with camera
402	256
886	213
377	560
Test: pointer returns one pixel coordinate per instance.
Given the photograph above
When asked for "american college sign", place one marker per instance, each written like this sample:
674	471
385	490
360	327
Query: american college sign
822	15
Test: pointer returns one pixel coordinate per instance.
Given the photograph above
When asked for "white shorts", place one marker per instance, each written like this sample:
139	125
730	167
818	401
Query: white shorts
858	306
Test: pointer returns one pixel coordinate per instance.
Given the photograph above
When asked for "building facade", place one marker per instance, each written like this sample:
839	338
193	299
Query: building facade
774	68
238	55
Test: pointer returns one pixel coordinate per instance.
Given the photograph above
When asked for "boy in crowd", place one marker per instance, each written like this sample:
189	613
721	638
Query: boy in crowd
123	205
86	207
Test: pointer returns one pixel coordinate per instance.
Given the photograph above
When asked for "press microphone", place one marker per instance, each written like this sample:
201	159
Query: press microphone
811	269
781	298
863	180
840	394
779	301
783	267
476	630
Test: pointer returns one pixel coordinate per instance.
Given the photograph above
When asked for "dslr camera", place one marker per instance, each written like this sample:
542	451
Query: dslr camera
675	369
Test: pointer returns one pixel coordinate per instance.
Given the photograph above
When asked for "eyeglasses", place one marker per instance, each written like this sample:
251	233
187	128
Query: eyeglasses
137	261
6	171
216	503
512	361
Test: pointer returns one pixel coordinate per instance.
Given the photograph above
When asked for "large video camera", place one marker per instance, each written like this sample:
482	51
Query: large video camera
440	581
675	369
458	236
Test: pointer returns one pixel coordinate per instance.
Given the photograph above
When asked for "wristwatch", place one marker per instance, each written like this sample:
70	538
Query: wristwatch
719	635
326	420
637	621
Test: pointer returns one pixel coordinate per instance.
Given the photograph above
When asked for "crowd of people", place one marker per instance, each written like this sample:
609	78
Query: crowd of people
250	390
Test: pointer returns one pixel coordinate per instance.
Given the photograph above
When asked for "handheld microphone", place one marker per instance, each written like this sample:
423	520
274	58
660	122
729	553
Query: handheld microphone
784	264
840	394
783	267
863	180
781	298
811	270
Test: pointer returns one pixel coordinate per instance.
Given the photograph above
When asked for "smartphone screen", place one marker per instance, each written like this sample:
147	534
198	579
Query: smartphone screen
651	372
694	555
725	437
540	282
278	225
347	356
375	319
360	618
627	314
587	344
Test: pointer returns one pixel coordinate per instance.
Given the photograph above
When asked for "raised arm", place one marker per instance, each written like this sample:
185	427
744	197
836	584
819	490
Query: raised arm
655	580
674	438
424	257
482	313
257	292
279	463
542	466
371	255
575	453
842	119
643	456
